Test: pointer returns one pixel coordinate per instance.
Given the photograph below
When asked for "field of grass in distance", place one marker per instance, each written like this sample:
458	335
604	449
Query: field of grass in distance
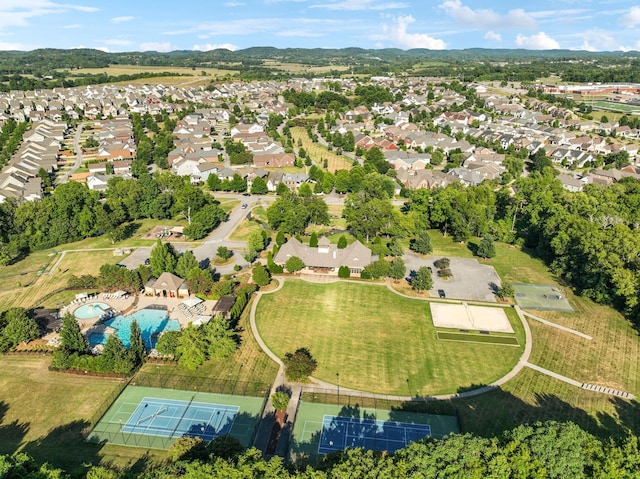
375	340
317	152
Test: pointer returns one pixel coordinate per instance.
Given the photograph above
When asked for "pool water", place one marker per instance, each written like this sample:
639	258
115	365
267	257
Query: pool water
93	310
152	322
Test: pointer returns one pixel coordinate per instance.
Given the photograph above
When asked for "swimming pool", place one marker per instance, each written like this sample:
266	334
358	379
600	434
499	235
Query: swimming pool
93	310
152	322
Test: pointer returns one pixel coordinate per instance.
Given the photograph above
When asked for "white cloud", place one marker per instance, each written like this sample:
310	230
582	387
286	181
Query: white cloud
354	5
598	40
121	19
397	34
299	33
215	46
558	13
234	4
631	18
486	18
157	47
539	41
16	46
491	35
258	26
74	25
16	13
120	42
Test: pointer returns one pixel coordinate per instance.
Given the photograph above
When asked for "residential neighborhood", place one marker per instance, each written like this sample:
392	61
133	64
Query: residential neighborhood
473	140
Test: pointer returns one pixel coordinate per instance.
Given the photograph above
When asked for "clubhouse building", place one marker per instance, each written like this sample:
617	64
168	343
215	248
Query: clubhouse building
326	258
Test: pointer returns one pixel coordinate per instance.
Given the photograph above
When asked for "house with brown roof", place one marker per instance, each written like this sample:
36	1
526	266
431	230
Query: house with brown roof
326	258
168	285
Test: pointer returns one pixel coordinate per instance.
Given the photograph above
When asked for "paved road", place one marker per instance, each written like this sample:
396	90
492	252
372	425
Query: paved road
77	148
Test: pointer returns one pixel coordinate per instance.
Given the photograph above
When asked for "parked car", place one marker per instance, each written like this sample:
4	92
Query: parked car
441	293
244	206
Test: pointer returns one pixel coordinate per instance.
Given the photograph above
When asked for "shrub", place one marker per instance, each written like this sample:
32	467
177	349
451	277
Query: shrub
280	400
344	272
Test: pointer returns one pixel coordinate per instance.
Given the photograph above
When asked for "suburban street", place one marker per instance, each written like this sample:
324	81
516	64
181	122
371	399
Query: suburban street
78	150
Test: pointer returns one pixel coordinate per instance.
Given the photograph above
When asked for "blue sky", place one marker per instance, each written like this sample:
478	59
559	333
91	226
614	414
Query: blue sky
163	25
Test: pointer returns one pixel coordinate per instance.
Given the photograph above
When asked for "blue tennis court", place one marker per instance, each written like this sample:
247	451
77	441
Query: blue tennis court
340	432
174	418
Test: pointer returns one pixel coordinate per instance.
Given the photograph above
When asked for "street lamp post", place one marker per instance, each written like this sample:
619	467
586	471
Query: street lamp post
338	384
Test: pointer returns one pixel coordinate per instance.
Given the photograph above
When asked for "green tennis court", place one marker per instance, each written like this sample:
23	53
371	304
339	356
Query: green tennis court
311	437
540	296
155	418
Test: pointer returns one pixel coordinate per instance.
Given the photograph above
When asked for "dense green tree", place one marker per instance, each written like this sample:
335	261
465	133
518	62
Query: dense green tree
422	280
540	161
397	269
192	347
220	337
299	365
313	241
19	327
116	357
260	275
163	258
282	189
71	337
288	214
256	240
200	281
342	242
136	343
421	243
224	253
204	221
259	186
186	262
294	264
168	342
395	248
317	210
368	218
486	248
378	269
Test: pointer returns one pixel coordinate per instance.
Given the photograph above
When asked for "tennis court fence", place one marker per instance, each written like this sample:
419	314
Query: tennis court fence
379	401
201	384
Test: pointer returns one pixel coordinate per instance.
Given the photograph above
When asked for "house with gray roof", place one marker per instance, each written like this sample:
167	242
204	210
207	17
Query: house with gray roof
327	258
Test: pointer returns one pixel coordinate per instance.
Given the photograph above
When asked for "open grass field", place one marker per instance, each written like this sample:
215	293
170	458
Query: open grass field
376	340
318	152
189	76
43	413
614	106
56	276
301	67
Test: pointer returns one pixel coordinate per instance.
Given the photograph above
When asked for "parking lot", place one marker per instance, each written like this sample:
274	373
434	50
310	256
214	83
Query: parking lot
471	280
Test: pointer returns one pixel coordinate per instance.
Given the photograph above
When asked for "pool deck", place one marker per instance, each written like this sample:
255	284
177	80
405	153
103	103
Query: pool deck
130	305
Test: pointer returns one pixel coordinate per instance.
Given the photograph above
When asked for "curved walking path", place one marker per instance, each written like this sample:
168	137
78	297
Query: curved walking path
281	378
295	389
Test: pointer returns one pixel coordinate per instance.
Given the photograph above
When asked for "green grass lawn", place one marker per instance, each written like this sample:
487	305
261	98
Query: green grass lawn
43	413
376	340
